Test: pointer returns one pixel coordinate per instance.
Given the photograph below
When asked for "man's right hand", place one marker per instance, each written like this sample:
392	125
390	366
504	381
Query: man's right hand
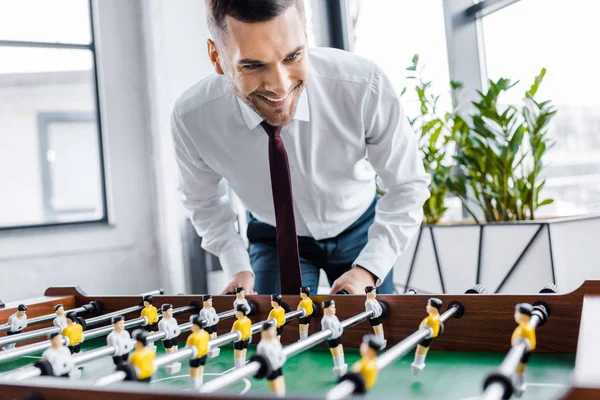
244	279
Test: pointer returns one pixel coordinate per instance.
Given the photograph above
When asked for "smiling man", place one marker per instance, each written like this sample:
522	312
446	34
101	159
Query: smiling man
300	136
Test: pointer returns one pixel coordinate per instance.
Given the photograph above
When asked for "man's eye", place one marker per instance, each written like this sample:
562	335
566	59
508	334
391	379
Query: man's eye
293	56
252	66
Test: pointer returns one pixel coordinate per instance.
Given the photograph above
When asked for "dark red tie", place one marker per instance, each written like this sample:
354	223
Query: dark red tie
285	224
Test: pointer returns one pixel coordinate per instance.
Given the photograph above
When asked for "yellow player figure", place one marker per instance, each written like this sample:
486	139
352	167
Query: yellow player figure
367	365
73	333
432	321
371	304
151	314
523	332
142	357
307	304
198	340
331	321
270	348
243	325
277	313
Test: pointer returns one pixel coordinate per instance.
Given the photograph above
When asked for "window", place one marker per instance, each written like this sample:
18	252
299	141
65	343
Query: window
559	36
51	168
391	32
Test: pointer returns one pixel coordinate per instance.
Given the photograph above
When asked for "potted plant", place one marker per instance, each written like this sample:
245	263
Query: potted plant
492	160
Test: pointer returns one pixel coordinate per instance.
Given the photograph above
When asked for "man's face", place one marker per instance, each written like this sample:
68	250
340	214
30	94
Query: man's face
168	313
266	63
207	303
56	341
20	314
120	326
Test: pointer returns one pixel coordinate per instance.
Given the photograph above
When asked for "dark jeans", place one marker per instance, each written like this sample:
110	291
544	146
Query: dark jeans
335	255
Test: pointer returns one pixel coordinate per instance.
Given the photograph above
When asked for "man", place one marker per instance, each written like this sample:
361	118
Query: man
371	304
17	322
270	348
73	332
523	332
171	328
300	137
331	321
60	320
209	314
434	323
120	339
199	340
58	357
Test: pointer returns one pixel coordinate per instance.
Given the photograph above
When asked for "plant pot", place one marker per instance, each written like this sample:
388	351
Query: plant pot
506	257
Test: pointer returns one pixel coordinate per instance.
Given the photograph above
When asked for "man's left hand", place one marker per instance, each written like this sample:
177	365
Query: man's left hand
354	281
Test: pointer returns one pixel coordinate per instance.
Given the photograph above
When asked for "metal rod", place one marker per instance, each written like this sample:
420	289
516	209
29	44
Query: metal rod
252	367
153	292
105	317
346	388
495	389
21	337
170	358
112	378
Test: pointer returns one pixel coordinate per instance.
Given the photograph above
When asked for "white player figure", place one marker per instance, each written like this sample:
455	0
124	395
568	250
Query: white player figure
375	321
270	348
60	320
240	299
120	339
331	321
209	314
169	326
17	322
59	357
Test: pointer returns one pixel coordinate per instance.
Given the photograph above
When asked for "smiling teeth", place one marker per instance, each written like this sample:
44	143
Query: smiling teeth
274	100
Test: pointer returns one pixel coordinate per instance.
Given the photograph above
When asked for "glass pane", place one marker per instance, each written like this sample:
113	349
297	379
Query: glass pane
64	21
50	168
556	36
391	32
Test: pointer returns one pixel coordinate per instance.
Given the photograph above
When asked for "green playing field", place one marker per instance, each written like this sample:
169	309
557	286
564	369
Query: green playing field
447	376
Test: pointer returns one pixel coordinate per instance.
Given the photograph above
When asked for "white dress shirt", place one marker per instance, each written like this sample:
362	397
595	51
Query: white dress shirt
348	111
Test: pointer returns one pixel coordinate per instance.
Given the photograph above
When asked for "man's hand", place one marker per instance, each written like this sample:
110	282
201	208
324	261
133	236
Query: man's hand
244	279
354	281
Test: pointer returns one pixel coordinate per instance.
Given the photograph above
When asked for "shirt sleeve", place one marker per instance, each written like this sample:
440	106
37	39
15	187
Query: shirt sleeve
204	194
392	150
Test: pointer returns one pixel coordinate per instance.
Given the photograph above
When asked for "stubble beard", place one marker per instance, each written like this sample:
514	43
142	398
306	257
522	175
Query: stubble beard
280	117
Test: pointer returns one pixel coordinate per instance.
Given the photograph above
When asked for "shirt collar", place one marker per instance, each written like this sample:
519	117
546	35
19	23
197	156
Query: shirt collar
252	119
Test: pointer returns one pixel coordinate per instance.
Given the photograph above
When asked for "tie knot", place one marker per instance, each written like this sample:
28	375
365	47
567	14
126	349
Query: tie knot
272	131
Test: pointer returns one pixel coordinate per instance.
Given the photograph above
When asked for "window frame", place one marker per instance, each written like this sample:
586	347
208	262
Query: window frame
91	46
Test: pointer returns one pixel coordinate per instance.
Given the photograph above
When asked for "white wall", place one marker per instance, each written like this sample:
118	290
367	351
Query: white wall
122	257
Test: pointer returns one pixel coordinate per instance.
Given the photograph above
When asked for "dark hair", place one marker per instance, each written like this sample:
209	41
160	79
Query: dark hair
53	335
206	297
56	307
22	307
245	11
199	322
166	306
239	289
373	342
524	308
241	308
268	324
369	289
305	290
148	298
435	303
327	303
141	336
117	318
276	298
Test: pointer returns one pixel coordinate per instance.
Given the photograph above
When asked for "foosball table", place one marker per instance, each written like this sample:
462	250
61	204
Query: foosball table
468	346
